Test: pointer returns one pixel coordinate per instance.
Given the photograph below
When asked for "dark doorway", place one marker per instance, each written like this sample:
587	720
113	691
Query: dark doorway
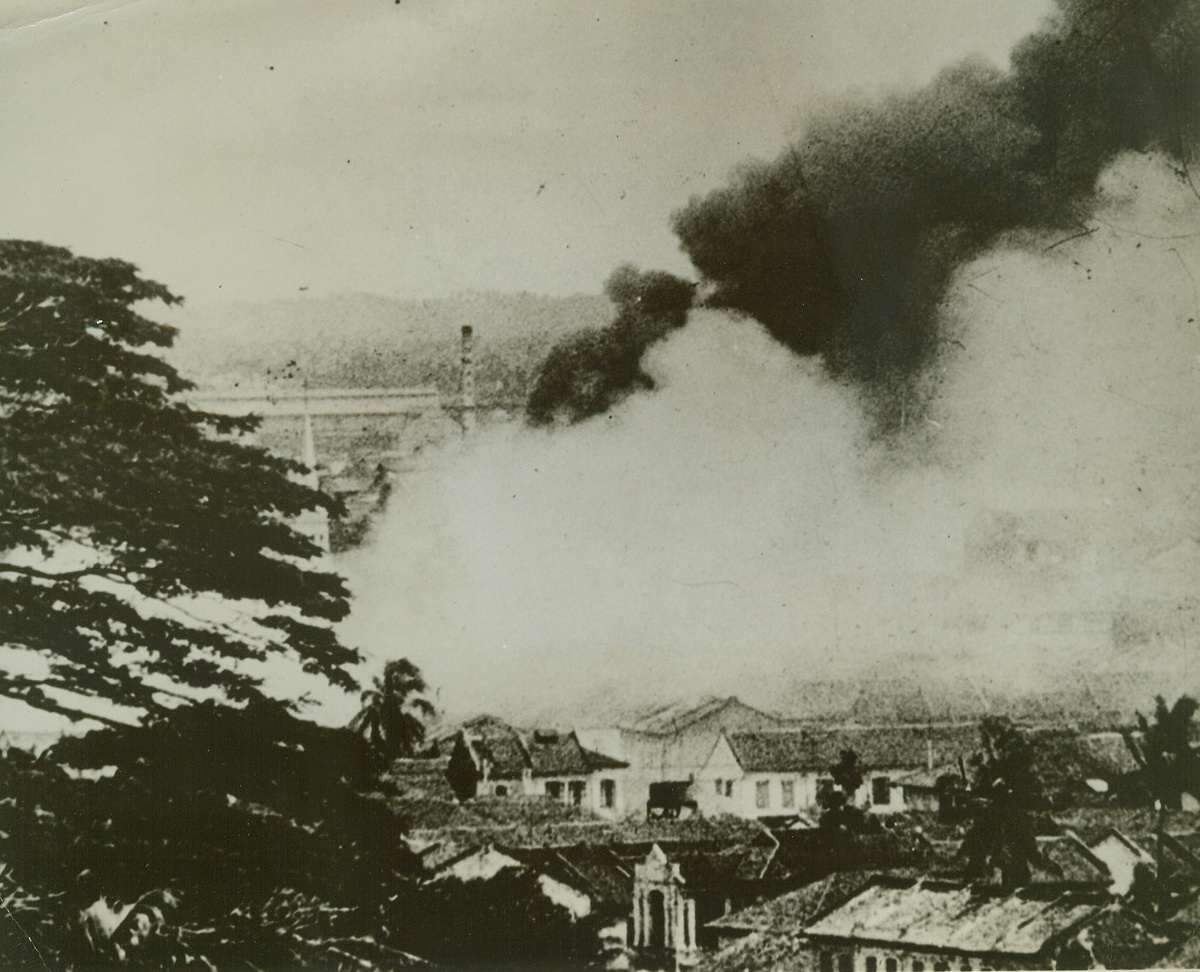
658	920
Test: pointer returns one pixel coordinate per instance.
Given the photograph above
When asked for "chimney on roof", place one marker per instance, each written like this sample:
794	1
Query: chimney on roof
929	755
467	389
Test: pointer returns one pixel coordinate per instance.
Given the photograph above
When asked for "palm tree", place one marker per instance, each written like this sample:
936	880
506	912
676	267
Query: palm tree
1168	766
1003	796
394	711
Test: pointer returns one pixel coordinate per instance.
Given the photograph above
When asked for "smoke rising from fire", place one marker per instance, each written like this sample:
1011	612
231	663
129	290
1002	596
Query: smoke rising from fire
742	529
844	246
592	371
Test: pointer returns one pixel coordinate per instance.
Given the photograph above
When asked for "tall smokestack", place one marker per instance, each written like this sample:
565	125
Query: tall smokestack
467	390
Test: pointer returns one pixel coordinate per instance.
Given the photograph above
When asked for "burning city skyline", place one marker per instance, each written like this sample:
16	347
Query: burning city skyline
921	383
937	397
742	527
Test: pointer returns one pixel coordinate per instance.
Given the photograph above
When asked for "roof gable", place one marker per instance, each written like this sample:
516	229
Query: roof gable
497	745
553	753
509	753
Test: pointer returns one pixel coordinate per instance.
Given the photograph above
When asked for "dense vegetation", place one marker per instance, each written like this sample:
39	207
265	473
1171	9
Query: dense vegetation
147	552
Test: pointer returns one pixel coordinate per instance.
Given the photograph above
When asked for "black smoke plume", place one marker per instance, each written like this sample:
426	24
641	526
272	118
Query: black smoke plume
845	245
588	373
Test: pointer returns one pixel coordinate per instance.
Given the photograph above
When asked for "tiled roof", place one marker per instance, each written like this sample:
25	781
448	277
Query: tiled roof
604	875
774	940
936	916
1065	759
596	871
440	737
758	953
775	752
790	913
522	811
436	854
1068	859
537	822
1093	824
418	777
718	868
805	855
1118	940
418	793
879	747
511	752
554	754
424	813
709	830
500	745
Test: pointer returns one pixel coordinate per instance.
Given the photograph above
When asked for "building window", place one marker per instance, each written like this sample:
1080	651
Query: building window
608	794
890	965
881	791
872	963
576	789
788	792
825	964
501	790
762	794
846	962
729	788
941	967
554	789
918	966
720	787
824	789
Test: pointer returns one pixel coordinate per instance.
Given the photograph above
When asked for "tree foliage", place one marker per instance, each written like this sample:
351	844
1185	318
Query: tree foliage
395	711
1004	795
1169	767
505	921
840	815
238	835
137	534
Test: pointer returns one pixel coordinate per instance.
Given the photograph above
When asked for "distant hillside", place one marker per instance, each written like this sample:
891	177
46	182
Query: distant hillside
362	340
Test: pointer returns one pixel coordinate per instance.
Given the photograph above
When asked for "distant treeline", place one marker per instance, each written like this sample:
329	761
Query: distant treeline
361	340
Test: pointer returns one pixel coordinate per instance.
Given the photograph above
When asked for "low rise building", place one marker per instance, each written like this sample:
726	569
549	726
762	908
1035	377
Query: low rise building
913	925
670	744
491	758
780	773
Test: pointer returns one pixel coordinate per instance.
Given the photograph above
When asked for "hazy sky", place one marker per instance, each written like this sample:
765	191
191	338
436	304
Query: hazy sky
249	148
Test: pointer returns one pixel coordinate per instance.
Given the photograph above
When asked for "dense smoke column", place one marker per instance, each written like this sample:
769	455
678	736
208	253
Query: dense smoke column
845	245
588	373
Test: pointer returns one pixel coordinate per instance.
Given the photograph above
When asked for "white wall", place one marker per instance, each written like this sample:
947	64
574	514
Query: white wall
741	799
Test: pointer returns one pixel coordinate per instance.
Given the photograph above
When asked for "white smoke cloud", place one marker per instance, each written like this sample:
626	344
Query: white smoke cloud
737	530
